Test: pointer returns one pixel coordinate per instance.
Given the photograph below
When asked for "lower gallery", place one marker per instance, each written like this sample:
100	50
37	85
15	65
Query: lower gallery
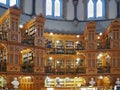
39	60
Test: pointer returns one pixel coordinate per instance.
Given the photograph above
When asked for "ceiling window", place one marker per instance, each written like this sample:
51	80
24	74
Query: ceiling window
53	8
8	3
95	9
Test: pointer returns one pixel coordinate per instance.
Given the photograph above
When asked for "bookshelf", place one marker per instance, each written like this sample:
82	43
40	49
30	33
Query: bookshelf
69	63
49	44
59	47
6	24
70	47
27	65
2	60
79	45
32	30
28	58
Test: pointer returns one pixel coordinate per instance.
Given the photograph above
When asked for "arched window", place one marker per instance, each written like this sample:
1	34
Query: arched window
103	62
8	3
57	8
48	7
54	8
95	9
90	9
99	8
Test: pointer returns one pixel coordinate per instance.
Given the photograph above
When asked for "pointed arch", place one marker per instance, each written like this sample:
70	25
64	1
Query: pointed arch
99	8
95	9
90	9
48	7
54	8
57	8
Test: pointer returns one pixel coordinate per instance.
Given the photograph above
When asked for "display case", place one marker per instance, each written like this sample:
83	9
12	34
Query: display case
64	82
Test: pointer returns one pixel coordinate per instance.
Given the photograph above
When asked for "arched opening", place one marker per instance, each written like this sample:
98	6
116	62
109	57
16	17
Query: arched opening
103	81
3	58
50	65
80	64
26	83
3	82
103	63
27	61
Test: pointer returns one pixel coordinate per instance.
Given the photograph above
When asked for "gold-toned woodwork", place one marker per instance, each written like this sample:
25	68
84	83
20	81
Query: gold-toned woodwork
31	55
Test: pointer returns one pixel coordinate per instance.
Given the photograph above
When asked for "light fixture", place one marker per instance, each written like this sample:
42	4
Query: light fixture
50	58
100	77
57	61
57	41
21	26
51	33
78	59
100	34
78	36
98	37
77	42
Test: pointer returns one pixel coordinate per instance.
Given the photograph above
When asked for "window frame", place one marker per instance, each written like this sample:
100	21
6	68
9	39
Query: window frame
53	10
95	10
7	5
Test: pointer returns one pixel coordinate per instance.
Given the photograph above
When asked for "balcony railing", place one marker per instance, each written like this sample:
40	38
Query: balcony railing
49	70
62	71
29	40
80	70
2	67
3	35
103	69
27	68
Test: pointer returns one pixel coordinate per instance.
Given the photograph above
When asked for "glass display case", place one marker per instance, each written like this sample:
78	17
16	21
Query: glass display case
64	82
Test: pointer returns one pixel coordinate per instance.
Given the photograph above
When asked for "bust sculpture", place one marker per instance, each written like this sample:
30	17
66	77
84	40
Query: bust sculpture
117	86
118	81
15	83
92	82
